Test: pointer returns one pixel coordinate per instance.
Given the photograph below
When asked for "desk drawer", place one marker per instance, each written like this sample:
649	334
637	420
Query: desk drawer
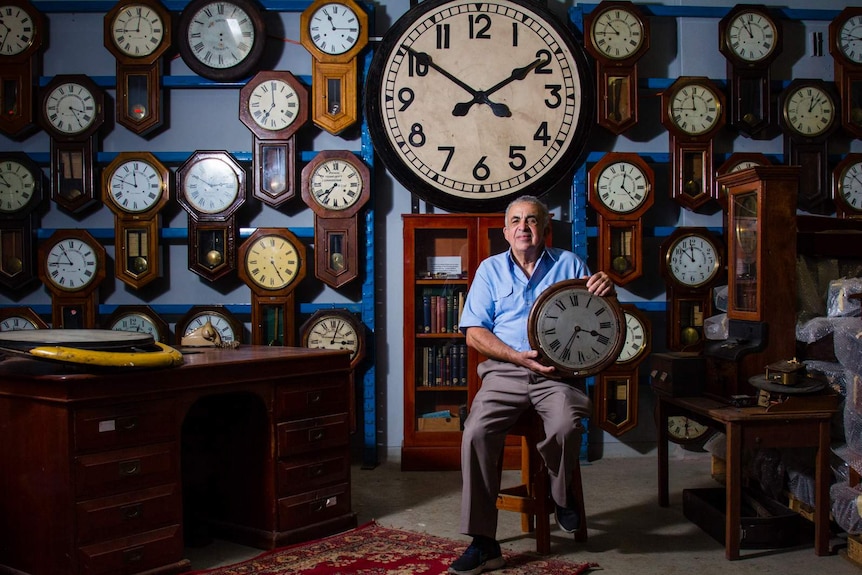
313	507
127	555
315	434
322	396
101	474
301	474
128	513
123	425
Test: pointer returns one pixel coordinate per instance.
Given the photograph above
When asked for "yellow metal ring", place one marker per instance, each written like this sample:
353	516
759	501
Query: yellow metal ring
167	357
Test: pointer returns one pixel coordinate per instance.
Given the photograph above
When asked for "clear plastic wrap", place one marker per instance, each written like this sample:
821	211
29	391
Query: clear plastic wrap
768	469
814	329
848	343
719	298
838	301
845	507
715	327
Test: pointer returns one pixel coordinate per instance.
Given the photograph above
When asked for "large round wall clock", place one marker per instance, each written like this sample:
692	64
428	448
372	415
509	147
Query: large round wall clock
471	104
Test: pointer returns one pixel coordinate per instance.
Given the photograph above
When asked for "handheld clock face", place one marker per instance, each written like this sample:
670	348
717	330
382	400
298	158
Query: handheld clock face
472	104
19	28
137	30
272	262
336	184
617	33
575	331
218	321
622	187
693	260
849	39
850	186
333	331
695	109
17	186
138	323
71	264
273	105
70	108
135	186
635	341
334	28
751	36
809	111
210	185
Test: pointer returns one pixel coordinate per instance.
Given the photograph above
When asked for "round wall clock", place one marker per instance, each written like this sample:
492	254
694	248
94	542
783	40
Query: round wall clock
335	329
575	331
23	32
18	318
637	343
20	185
139	319
470	105
225	324
622	184
808	110
72	266
847	186
20	195
272	260
693	260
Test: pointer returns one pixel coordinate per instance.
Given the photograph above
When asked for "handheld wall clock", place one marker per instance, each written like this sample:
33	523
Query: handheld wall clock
506	69
334	32
273	105
211	188
847	186
272	263
139	319
336	184
18	318
750	38
72	111
21	183
809	115
138	33
72	266
620	191
618	36
135	187
217	324
19	65
845	45
222	40
692	110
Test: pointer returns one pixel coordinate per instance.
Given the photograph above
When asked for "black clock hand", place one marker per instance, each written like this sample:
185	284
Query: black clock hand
500	110
424	59
275	267
335	333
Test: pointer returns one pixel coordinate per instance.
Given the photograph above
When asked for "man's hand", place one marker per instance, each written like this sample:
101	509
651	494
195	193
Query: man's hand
600	284
528	359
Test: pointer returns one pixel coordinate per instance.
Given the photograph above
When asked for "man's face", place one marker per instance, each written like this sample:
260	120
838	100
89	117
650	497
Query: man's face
524	229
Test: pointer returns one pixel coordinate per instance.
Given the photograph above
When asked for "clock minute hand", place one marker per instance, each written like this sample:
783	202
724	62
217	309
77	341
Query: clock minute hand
500	110
425	60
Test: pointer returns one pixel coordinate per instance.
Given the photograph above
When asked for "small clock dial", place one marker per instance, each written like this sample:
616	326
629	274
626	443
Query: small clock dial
850	186
272	262
16	323
622	187
135	186
693	260
274	105
139	323
221	35
617	33
635	342
71	264
809	111
137	30
682	429
18	29
695	109
219	322
850	39
334	28
333	330
17	186
210	185
751	36
70	108
336	184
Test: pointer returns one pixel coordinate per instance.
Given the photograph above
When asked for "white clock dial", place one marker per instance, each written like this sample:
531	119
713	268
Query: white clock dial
334	28
622	187
336	184
333	332
135	186
272	262
219	322
743	165
695	109
273	105
617	33
809	111
751	36
17	186
635	341
850	39
850	186
71	264
137	30
17	29
221	35
71	108
693	260
210	185
138	323
682	429
16	323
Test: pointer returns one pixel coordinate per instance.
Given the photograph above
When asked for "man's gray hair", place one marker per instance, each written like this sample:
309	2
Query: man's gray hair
544	214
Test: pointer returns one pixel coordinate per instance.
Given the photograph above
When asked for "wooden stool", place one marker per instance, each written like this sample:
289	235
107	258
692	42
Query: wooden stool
532	497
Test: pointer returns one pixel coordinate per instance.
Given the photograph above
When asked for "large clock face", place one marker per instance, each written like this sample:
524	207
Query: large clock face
809	111
751	36
71	264
137	30
135	186
18	30
70	108
210	185
693	260
471	104
17	186
622	187
617	33
272	262
695	109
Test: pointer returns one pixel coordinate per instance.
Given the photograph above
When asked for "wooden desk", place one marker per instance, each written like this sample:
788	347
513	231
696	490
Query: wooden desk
747	428
95	469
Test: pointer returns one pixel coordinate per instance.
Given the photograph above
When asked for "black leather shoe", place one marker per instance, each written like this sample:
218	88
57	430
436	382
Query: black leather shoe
567	518
478	558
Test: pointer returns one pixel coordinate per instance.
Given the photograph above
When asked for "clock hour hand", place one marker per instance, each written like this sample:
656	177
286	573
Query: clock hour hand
481	97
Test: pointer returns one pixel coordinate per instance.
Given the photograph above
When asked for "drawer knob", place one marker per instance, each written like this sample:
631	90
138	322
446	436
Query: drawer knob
315	471
313	397
316	434
323	504
131	512
132	467
128	423
133	555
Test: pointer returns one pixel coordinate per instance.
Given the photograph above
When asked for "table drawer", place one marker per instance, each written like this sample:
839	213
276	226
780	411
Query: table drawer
128	513
301	474
133	554
324	395
101	474
315	434
313	507
124	425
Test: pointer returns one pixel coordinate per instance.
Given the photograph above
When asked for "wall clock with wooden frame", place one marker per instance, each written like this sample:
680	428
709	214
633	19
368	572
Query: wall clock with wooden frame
19	66
750	38
21	184
217	318
135	187
211	188
526	87
138	33
847	186
273	105
809	115
618	35
336	184
72	112
620	191
72	266
334	32
221	41
692	110
617	385
692	262
20	317
845	45
139	319
272	263
736	162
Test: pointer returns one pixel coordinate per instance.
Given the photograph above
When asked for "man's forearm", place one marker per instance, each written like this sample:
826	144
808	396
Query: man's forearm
489	345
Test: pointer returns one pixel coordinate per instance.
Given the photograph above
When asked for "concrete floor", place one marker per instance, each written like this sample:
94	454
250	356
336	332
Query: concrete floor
628	532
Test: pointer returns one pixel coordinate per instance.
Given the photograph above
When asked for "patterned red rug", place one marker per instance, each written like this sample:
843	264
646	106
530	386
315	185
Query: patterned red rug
375	550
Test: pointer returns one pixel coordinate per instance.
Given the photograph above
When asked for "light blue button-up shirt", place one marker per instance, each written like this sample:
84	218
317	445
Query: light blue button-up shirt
501	294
